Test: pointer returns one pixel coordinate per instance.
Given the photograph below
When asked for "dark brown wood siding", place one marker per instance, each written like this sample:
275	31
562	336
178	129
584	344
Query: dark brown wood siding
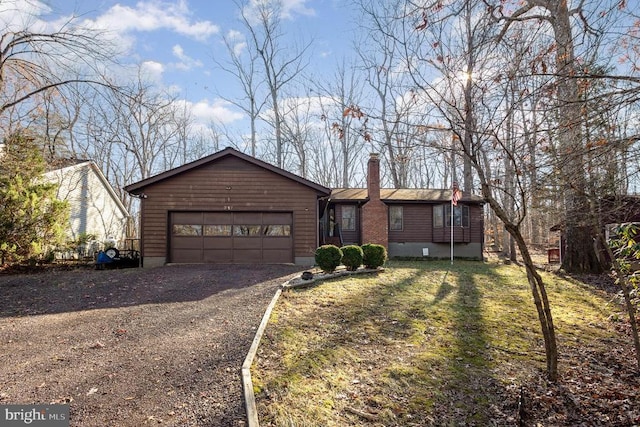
476	214
418	226
229	184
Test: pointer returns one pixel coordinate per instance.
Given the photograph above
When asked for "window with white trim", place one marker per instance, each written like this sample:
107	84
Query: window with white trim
395	218
442	216
349	218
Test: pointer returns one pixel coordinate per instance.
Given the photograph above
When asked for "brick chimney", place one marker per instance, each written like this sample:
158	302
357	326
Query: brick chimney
375	214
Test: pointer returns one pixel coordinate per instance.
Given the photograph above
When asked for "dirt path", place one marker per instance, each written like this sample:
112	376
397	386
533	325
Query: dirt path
134	347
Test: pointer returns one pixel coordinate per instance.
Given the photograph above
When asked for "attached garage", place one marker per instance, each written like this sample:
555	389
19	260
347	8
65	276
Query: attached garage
231	237
228	208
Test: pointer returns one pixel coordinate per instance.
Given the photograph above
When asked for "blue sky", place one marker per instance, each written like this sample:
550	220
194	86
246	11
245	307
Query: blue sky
178	41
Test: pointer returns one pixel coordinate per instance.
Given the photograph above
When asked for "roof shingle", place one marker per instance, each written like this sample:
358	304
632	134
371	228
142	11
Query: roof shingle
400	195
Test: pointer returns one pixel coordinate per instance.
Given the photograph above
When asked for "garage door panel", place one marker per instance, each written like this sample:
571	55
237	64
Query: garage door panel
247	243
186	242
218	218
276	243
186	255
217	255
217	243
231	237
247	255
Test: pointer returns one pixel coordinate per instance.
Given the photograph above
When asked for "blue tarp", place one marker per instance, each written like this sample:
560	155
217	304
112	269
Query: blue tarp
103	258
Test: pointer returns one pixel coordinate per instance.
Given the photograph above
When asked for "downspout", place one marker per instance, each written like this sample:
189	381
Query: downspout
324	214
142	198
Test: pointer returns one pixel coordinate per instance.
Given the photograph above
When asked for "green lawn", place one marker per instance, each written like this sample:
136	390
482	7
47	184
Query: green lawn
422	343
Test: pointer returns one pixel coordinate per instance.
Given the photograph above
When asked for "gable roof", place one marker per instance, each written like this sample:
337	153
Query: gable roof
70	165
391	195
138	187
62	163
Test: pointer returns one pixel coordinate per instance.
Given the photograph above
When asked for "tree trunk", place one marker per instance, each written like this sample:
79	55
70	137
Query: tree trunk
541	300
344	145
513	255
538	289
580	255
277	124
469	122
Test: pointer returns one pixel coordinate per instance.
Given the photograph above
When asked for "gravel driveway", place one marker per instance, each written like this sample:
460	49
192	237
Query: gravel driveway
134	347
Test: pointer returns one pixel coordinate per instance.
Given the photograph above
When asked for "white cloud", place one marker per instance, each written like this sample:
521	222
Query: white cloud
152	70
178	52
18	15
119	21
207	112
235	36
307	109
238	48
237	40
288	8
155	15
186	62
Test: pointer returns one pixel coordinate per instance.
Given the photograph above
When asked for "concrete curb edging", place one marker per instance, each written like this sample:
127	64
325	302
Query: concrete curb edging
247	383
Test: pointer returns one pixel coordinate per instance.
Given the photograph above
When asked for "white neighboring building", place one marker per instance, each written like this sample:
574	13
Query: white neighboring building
94	207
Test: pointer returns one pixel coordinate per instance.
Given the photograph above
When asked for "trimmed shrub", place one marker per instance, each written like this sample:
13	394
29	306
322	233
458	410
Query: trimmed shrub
374	255
328	257
352	257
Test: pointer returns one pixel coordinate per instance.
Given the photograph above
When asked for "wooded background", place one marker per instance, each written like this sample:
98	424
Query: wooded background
532	104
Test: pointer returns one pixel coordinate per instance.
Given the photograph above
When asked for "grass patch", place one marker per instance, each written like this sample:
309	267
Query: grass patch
423	343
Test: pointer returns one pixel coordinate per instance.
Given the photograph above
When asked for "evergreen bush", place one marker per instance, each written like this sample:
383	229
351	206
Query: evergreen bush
328	257
352	257
32	219
374	255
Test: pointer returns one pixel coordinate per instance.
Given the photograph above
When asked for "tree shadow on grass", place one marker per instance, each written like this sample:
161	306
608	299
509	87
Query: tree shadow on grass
444	289
423	360
468	390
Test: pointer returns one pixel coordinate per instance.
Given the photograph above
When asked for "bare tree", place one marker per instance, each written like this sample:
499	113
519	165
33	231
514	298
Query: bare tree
34	61
343	134
396	110
477	103
280	65
208	140
56	117
137	134
579	254
242	64
145	127
297	129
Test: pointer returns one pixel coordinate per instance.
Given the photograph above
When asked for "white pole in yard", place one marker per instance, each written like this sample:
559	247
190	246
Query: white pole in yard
451	219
